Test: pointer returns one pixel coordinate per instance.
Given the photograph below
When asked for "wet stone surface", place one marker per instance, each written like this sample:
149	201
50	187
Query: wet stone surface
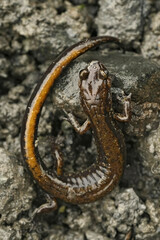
130	73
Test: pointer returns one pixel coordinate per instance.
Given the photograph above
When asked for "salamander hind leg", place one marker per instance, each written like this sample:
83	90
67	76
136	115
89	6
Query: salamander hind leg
55	148
57	154
126	115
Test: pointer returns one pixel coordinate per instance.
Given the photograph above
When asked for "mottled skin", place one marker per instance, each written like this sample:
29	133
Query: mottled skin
101	177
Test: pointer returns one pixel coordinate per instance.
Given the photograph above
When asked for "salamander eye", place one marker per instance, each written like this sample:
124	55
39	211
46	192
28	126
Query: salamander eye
83	74
104	73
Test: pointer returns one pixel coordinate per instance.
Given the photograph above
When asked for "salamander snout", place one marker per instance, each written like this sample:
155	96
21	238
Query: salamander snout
96	70
96	66
94	83
94	74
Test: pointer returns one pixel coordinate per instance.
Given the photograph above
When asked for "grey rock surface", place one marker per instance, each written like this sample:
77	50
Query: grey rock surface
16	194
129	71
151	43
32	33
136	22
121	22
37	34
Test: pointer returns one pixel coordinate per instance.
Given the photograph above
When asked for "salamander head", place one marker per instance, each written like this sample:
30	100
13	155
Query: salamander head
94	84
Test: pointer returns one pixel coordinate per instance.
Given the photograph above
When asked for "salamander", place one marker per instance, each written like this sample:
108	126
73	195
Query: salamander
96	100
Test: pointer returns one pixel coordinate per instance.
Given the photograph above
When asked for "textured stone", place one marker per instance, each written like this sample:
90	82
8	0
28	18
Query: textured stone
37	37
151	43
150	151
7	233
116	18
59	235
92	235
129	72
15	193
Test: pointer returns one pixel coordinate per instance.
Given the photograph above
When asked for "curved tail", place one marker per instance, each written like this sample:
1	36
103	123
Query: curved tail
31	118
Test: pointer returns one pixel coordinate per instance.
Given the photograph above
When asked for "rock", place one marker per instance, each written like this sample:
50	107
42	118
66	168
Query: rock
7	233
43	30
150	151
116	18
37	37
149	157
16	193
4	65
151	43
109	214
129	72
90	235
59	235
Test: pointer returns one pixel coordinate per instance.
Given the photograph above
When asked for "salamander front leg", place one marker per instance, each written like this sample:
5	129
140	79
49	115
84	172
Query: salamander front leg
79	129
51	205
126	116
